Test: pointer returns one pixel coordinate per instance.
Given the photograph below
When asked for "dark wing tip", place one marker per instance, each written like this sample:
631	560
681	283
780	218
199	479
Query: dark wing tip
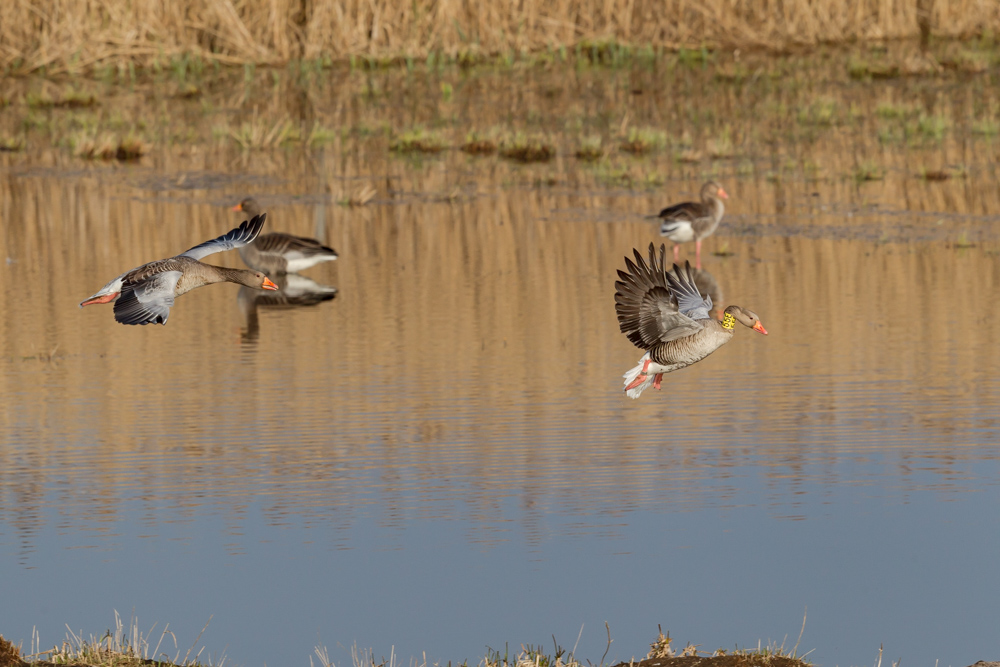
251	228
129	310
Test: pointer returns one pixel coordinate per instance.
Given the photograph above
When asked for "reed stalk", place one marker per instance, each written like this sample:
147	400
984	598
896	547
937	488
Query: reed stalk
67	37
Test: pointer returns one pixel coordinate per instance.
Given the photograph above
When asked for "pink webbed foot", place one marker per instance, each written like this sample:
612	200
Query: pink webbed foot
657	380
640	378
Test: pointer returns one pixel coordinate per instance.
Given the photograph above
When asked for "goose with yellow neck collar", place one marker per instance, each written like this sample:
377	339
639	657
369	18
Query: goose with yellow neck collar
662	312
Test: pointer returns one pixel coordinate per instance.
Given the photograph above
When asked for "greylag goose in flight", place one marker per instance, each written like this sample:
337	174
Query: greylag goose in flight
693	221
278	253
662	313
146	293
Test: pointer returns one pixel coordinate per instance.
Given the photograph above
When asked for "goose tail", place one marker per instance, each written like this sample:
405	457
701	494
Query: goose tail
633	385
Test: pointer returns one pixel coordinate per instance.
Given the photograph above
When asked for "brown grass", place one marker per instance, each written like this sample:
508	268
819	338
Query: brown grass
73	36
10	655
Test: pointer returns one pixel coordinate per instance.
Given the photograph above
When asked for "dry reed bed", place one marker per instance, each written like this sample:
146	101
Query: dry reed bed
67	36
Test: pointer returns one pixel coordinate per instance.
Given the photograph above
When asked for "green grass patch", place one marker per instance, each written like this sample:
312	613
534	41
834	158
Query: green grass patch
527	147
722	146
320	135
639	140
868	171
39	100
889	111
590	148
821	112
481	143
11	144
928	128
418	140
988	127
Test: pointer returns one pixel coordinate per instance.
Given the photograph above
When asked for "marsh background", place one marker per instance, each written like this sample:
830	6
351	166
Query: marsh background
440	460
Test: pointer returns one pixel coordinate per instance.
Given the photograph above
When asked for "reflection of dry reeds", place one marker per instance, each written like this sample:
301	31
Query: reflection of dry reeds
72	36
359	197
261	133
104	146
90	147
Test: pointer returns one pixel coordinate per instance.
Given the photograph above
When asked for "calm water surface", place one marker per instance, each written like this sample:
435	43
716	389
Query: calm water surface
441	460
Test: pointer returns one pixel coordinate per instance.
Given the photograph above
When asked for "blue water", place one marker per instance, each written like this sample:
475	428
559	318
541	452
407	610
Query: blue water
871	562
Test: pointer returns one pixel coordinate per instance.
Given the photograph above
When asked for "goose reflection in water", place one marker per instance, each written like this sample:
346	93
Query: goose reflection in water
294	291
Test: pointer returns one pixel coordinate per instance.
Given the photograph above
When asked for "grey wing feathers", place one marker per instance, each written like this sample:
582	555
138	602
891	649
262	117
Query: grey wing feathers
689	299
130	310
235	238
147	301
647	308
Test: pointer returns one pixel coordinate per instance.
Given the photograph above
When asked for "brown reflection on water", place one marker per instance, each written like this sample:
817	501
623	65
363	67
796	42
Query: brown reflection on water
472	353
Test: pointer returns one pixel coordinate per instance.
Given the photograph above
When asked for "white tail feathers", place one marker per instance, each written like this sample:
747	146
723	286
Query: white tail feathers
111	289
633	373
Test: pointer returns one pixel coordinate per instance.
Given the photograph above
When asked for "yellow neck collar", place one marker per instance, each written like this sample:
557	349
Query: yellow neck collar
728	321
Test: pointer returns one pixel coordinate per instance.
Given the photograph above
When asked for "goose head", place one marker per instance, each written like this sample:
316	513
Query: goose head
712	190
248	206
254	279
746	317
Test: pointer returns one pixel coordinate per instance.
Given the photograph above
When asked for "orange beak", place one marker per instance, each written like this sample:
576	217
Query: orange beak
238	207
760	327
722	193
271	286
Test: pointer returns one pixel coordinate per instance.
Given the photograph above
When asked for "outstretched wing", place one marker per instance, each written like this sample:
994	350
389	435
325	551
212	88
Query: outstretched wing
147	301
241	236
648	310
689	299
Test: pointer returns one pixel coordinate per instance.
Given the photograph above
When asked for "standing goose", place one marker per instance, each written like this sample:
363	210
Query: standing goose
693	221
662	312
146	293
277	253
